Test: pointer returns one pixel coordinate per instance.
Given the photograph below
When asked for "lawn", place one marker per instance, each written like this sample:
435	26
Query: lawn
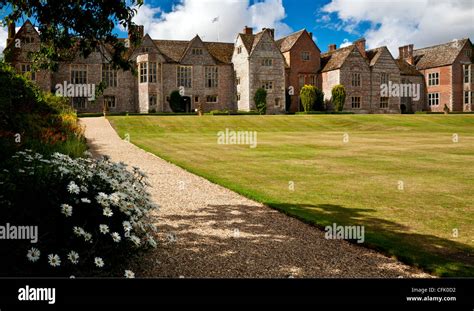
403	177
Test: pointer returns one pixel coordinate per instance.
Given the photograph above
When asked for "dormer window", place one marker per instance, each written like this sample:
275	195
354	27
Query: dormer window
197	51
267	62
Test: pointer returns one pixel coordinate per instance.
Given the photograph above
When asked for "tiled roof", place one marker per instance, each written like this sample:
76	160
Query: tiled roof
285	44
374	55
407	69
438	55
248	41
335	59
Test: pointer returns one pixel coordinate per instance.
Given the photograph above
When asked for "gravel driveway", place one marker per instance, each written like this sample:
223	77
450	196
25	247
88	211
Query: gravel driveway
210	231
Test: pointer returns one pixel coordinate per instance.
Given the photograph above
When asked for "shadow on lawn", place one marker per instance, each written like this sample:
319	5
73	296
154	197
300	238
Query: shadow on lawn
270	244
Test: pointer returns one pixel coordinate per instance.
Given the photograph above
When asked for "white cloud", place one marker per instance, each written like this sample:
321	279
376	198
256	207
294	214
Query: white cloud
191	17
397	23
345	43
3	38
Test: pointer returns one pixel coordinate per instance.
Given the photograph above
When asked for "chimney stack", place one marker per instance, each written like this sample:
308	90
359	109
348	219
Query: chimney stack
332	47
360	44
11	31
248	30
406	53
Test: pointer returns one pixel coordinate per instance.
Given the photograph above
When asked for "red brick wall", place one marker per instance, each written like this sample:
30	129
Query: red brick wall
444	88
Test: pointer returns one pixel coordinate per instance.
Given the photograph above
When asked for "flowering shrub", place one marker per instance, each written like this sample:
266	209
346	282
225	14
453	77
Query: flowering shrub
92	215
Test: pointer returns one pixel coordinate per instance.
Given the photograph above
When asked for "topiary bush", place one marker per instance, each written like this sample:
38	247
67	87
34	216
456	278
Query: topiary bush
260	99
308	97
338	97
92	216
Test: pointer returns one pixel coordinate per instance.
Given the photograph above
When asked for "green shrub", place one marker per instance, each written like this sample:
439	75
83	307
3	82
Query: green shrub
176	102
308	97
81	205
338	97
319	103
260	99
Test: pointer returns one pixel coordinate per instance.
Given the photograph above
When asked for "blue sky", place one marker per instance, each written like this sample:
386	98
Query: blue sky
382	22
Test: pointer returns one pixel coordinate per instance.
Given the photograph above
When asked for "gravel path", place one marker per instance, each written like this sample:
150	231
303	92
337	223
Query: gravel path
210	231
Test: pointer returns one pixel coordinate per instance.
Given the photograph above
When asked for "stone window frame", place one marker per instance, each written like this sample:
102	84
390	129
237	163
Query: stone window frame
356	79
153	100
277	102
467	74
79	102
110	101
433	99
267	62
306	56
301	81
239	50
384	78
25	69
239	96
468	95
212	99
109	75
313	80
384	101
197	51
143	72
211	76
78	74
433	78
356	102
267	85
186	80
152	72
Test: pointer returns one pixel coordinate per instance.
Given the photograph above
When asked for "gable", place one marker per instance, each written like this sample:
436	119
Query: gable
147	46
197	53
264	42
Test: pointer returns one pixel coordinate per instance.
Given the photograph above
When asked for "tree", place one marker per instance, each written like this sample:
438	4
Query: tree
319	103
80	25
260	99
308	97
338	97
176	102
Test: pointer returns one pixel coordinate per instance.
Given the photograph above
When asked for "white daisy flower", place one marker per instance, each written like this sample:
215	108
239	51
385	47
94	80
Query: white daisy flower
85	200
129	274
108	212
73	188
73	257
99	262
54	260
116	237
127	226
104	229
33	254
66	210
78	231
87	237
84	189
135	240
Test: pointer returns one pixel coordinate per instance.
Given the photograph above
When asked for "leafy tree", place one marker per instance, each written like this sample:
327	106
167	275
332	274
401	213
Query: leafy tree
176	102
338	97
319	103
308	97
260	99
75	25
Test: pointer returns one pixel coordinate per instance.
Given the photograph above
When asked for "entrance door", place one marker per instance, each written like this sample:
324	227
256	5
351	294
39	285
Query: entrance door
186	103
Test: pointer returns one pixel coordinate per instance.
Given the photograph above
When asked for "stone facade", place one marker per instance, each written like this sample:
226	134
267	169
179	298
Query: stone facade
225	76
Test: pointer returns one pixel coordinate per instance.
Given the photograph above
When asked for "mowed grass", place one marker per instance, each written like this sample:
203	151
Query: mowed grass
401	176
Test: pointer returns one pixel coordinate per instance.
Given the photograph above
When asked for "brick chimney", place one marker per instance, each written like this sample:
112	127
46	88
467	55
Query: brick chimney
271	31
360	44
332	47
11	31
248	30
406	53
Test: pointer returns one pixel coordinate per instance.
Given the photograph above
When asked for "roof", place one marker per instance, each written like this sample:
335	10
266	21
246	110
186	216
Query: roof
174	50
438	55
335	59
407	69
285	44
251	41
374	55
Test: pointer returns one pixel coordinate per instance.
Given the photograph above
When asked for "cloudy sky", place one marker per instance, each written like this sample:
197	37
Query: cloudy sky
382	22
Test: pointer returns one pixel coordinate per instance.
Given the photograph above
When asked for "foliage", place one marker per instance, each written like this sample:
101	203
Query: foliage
176	102
260	99
319	103
338	97
69	26
92	208
32	119
308	97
